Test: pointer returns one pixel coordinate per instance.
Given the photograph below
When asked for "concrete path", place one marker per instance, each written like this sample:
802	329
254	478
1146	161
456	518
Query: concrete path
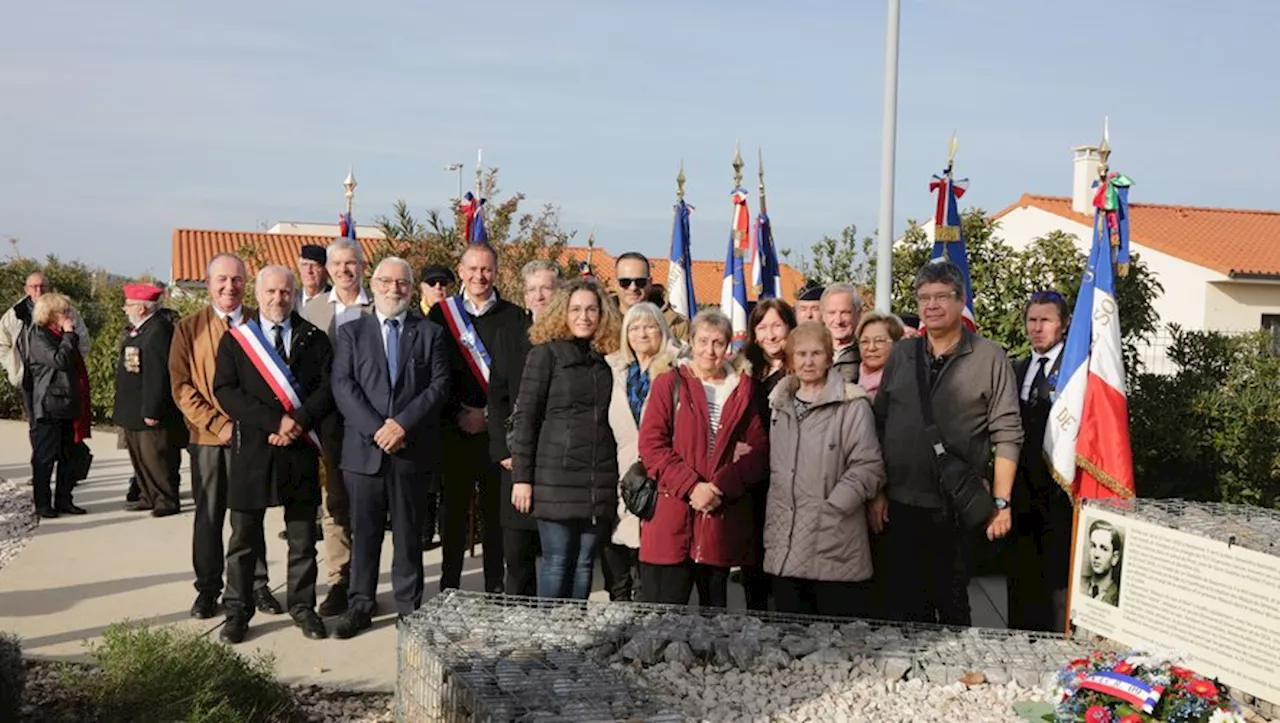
80	574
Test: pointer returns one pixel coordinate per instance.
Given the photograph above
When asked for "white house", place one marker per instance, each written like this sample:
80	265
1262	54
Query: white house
1220	267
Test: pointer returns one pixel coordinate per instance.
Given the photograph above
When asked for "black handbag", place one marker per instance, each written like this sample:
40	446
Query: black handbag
963	489
639	491
79	462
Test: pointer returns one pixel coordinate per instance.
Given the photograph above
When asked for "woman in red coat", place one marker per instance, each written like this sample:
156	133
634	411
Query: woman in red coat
706	451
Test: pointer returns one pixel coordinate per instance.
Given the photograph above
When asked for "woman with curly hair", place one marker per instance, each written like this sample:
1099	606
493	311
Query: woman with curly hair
564	458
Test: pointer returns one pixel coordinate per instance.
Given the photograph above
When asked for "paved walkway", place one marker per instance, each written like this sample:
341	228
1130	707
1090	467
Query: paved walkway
80	574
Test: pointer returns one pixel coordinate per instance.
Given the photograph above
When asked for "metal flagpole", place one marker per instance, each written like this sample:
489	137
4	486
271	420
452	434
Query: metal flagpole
888	141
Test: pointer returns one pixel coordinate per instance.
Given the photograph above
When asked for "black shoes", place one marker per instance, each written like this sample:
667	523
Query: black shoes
135	492
234	630
267	603
47	512
165	511
351	624
138	506
67	508
311	625
335	602
205	606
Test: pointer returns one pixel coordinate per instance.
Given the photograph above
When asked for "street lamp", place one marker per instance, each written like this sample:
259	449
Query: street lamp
456	167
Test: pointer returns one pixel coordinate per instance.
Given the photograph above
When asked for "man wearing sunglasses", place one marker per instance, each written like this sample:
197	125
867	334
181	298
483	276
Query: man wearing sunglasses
435	285
631	271
1037	588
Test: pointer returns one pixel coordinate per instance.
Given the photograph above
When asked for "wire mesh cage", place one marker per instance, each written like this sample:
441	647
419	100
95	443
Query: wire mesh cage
1253	528
477	657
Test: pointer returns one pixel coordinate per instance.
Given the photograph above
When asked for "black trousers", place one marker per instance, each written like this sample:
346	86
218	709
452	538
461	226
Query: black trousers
210	468
155	464
466	465
927	574
671	584
51	443
822	597
756	583
248	546
371	498
1040	564
620	566
521	548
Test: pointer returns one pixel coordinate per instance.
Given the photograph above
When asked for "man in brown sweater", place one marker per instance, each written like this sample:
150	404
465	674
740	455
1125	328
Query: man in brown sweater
192	361
974	398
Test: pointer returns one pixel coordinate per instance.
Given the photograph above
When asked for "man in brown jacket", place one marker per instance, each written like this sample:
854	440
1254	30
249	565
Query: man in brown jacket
192	361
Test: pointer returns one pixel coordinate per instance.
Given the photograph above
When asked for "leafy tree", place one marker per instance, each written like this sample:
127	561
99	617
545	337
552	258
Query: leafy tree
844	259
519	236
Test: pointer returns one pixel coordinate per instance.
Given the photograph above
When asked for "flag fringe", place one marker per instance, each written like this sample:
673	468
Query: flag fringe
1107	480
1063	482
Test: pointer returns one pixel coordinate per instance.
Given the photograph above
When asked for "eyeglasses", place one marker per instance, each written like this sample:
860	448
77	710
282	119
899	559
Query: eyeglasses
640	283
433	283
872	343
939	298
388	281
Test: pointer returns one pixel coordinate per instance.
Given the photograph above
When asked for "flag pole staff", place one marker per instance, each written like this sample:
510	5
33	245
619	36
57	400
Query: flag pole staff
350	185
1104	153
947	190
760	163
737	183
888	142
680	179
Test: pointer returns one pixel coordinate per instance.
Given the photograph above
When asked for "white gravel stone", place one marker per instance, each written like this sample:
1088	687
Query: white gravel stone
17	519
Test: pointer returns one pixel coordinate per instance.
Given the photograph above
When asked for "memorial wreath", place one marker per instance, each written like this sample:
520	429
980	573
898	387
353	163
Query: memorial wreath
1136	687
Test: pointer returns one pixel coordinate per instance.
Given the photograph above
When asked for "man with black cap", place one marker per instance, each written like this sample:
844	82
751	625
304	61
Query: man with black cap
313	277
435	283
809	303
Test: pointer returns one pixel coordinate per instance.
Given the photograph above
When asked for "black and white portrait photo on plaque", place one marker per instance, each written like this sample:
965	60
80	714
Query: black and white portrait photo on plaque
1103	551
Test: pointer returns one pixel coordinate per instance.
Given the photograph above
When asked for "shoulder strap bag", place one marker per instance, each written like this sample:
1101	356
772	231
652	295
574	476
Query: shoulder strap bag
638	489
963	489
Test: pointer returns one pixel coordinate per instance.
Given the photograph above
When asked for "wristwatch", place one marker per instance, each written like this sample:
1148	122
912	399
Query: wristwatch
1002	503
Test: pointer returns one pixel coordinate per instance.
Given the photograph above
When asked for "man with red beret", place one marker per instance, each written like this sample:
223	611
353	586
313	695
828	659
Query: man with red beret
144	408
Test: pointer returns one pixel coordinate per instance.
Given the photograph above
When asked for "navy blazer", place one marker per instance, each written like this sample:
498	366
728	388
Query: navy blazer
366	398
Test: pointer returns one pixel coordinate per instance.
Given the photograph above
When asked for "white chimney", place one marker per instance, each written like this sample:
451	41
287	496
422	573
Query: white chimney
1085	172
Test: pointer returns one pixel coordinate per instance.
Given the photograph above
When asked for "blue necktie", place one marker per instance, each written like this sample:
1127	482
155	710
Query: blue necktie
393	351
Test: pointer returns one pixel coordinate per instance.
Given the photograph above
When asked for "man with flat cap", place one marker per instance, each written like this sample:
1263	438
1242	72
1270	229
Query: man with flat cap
144	410
435	284
313	277
809	303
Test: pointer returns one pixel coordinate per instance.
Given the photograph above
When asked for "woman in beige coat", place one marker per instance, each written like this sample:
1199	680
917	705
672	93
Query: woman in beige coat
648	349
825	465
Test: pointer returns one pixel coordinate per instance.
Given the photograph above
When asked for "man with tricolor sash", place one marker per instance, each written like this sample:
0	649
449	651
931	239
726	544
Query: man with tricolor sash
473	320
272	378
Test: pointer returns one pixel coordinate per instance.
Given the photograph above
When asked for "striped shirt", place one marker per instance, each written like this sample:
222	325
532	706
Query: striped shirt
717	394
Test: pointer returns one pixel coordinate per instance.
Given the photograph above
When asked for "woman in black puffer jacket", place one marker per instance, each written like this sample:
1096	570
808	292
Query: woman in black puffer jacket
564	458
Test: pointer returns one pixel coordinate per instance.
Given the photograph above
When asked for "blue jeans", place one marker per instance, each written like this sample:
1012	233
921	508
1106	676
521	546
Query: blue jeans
568	557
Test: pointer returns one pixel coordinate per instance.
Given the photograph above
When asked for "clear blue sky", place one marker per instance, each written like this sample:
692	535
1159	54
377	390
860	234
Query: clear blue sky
121	121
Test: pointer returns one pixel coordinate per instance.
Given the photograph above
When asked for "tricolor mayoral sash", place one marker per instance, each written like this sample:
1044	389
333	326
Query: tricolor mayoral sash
273	370
462	329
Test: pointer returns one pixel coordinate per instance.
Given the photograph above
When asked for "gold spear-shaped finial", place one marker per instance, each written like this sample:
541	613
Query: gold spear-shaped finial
760	164
737	165
350	185
680	179
1104	149
952	147
479	174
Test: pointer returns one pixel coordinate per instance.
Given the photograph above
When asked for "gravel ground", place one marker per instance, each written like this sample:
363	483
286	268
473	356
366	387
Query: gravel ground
46	701
17	519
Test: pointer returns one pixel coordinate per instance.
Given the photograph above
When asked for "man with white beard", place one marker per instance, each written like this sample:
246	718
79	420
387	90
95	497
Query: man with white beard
144	409
391	383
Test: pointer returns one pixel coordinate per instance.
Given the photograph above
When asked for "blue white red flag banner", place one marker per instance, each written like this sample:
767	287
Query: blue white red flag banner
766	275
346	227
680	271
733	291
274	371
948	235
1087	442
472	210
464	332
1127	688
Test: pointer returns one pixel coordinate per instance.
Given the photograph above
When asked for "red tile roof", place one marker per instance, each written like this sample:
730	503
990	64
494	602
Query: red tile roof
1235	242
193	248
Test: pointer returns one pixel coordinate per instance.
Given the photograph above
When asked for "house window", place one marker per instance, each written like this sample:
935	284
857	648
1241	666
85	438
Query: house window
1271	323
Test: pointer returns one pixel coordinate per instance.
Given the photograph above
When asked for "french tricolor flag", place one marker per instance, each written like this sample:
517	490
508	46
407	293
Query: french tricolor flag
733	291
1087	440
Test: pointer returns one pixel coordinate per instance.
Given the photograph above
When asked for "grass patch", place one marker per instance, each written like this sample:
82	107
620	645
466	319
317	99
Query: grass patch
162	675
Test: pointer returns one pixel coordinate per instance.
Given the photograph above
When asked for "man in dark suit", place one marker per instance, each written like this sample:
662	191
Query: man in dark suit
144	410
272	378
391	383
1041	556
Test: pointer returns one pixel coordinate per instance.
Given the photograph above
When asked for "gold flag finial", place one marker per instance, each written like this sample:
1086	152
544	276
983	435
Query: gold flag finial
737	165
479	174
680	179
350	185
1104	149
952	147
760	164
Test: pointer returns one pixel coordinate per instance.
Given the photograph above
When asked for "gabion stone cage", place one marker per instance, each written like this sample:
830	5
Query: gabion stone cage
476	657
1253	528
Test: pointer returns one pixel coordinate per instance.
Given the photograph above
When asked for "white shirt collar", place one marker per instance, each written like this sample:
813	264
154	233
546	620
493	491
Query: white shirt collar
1051	355
382	319
362	299
484	307
268	325
234	316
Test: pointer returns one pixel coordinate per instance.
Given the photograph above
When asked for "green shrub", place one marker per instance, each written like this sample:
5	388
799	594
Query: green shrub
12	676
1209	431
160	675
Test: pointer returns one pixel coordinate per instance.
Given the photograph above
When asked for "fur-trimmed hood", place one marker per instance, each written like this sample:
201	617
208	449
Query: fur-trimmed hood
663	361
837	390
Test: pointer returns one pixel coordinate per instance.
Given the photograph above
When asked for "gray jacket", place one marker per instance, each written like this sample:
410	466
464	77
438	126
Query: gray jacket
975	403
